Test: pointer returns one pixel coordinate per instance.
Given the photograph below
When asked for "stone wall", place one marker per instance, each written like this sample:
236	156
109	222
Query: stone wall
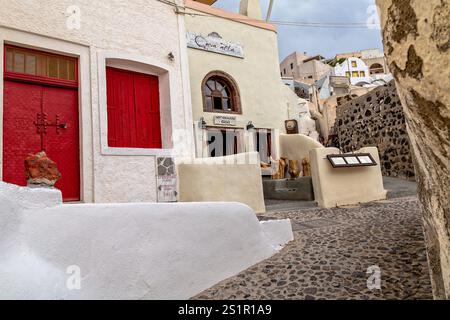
416	36
377	119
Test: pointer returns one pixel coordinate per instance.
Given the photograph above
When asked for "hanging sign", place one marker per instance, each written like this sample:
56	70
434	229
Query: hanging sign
214	43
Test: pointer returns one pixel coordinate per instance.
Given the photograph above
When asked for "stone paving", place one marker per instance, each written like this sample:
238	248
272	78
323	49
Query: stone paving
331	253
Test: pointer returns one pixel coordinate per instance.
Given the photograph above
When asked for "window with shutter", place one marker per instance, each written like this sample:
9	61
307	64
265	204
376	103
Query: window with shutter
133	109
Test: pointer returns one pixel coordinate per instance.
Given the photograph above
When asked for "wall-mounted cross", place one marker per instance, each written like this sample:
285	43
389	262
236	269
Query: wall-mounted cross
41	124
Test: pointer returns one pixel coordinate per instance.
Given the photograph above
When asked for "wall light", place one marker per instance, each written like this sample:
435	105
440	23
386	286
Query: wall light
250	126
202	123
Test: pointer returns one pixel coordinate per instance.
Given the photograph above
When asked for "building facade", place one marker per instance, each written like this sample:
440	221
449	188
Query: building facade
238	98
304	68
373	58
102	87
355	69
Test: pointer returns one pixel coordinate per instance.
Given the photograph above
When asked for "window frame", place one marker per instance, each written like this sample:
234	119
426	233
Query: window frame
234	92
238	140
11	75
269	134
134	75
167	82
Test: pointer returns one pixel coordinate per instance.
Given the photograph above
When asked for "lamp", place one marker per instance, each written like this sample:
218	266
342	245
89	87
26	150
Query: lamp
202	123
250	126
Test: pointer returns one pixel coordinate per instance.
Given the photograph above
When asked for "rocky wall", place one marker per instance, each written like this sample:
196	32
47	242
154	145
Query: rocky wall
377	120
416	37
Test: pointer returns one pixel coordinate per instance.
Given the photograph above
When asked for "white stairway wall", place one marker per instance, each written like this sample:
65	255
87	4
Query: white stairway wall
125	251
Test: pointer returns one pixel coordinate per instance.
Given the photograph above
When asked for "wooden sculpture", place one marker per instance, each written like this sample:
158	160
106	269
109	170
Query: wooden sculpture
282	167
306	167
294	170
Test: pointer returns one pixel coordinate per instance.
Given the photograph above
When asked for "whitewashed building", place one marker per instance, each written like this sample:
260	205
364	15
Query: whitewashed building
102	87
355	69
238	98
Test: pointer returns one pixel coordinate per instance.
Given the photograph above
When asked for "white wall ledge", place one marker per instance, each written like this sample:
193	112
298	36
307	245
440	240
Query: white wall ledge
108	151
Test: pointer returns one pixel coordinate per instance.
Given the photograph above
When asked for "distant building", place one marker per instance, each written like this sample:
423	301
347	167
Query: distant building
302	67
302	89
341	56
355	69
373	58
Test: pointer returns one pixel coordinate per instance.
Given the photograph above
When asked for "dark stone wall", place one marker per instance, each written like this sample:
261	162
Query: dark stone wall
377	119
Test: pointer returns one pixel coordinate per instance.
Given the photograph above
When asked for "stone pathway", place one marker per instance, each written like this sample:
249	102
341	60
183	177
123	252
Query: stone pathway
331	253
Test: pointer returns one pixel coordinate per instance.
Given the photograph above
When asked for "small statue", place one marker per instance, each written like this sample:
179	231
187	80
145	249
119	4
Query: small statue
294	170
282	169
40	170
265	165
306	167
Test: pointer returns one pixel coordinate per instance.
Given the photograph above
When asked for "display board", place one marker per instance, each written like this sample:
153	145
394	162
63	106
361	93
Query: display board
351	160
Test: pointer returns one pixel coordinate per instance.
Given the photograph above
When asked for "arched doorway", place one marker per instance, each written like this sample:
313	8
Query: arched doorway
376	68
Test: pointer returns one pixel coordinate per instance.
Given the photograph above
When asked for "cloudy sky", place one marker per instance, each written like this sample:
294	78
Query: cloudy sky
326	41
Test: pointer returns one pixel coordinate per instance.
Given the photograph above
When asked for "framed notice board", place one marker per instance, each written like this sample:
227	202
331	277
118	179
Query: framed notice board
351	160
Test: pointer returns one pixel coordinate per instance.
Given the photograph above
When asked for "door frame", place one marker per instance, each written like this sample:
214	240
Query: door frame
82	53
240	134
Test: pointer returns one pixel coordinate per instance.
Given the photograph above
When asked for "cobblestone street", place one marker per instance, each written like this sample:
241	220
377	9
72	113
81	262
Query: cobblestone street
331	253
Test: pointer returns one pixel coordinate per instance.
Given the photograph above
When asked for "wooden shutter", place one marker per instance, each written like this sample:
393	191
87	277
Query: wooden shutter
134	119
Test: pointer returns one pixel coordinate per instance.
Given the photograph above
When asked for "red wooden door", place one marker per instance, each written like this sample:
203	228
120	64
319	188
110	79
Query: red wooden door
133	109
22	103
62	145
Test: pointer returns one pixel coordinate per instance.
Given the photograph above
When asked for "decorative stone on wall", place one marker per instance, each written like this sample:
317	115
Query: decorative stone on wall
377	120
166	180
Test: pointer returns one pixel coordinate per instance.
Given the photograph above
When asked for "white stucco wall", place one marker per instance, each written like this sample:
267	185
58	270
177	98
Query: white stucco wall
138	31
297	146
125	251
234	178
345	186
313	70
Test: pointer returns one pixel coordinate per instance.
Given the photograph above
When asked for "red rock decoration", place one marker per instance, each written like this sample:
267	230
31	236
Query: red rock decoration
41	170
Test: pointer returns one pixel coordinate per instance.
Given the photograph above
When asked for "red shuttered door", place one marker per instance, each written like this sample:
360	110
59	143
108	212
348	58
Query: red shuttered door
133	109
